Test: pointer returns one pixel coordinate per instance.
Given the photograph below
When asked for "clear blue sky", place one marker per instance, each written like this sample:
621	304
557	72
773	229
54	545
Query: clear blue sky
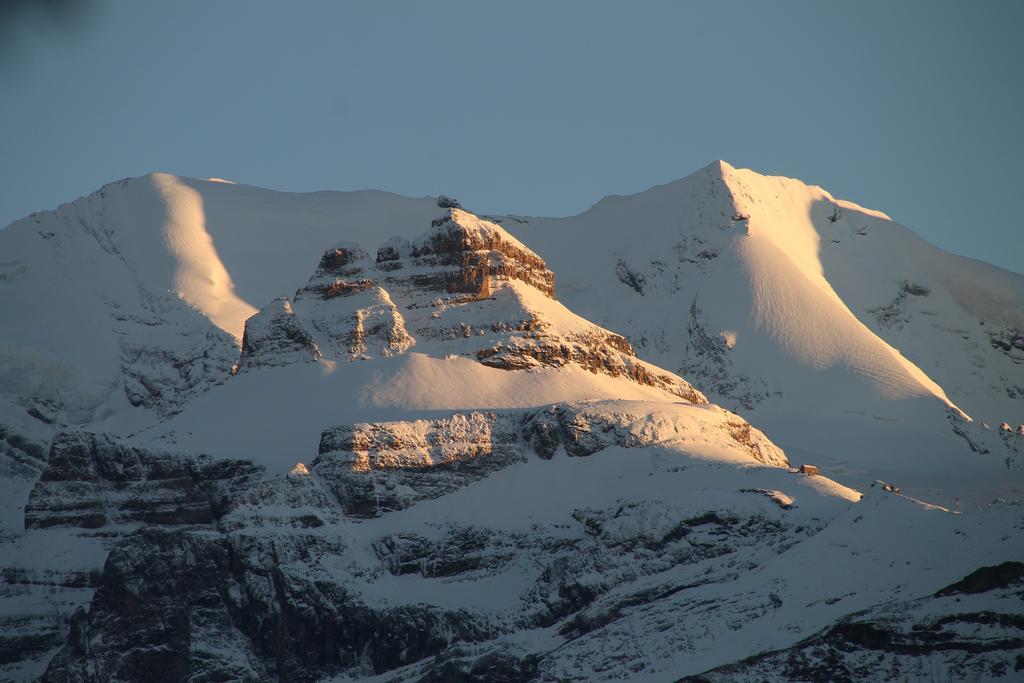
914	108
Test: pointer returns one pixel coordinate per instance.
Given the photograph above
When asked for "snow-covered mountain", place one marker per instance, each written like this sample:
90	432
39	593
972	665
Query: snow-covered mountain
842	333
256	435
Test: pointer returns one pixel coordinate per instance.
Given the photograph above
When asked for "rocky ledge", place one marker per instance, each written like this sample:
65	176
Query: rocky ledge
375	468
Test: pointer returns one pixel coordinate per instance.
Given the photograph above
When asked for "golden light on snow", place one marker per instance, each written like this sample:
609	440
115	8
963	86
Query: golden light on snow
200	277
793	300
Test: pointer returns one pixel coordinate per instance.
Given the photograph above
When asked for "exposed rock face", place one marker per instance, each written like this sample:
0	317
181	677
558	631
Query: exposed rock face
706	361
480	251
379	328
1002	441
218	585
360	323
965	631
93	481
377	468
895	314
93	490
486	256
446	202
274	337
162	371
598	351
461	254
271	581
20	456
344	259
346	310
629	277
419	444
339	273
179	605
1010	341
27	634
584	429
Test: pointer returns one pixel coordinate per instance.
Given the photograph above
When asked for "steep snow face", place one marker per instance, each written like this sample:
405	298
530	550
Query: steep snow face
959	319
794	302
200	277
738	282
741	250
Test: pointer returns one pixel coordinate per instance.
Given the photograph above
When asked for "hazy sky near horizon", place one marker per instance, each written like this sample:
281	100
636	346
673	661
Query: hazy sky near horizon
537	108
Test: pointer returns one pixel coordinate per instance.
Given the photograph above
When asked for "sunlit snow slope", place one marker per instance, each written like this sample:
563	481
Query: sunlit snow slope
845	335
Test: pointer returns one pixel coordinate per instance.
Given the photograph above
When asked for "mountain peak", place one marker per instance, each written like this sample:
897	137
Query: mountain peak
476	233
482	250
720	167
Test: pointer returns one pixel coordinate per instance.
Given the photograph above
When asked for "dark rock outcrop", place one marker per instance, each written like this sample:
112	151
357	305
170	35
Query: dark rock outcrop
94	480
188	605
985	579
275	337
20	456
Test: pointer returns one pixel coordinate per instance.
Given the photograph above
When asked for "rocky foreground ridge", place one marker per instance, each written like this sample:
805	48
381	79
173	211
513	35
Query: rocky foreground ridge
223	552
405	550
